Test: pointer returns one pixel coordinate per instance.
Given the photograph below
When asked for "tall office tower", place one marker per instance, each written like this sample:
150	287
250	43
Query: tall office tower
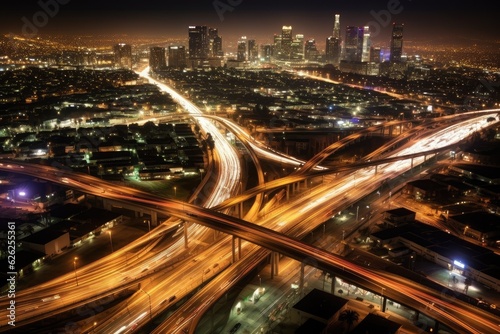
177	56
396	43
267	52
375	55
353	46
241	54
123	55
297	47
286	42
336	27
157	59
365	53
198	42
253	50
333	46
214	43
329	47
310	50
277	46
217	47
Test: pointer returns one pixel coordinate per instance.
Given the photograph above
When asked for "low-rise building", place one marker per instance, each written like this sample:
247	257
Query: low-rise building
320	306
482	226
424	189
455	254
50	241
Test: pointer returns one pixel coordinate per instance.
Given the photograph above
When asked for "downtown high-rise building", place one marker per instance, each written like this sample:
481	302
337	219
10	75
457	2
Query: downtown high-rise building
214	43
241	52
198	42
333	46
336	27
353	44
396	43
310	50
365	50
123	56
286	42
267	52
253	50
357	44
177	56
157	58
297	47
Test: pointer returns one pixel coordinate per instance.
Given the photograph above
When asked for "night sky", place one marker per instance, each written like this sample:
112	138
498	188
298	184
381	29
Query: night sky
440	21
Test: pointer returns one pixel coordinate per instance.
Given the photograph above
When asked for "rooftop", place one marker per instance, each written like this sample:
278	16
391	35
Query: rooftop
320	304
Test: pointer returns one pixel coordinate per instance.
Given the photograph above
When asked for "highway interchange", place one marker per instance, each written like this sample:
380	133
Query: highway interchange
160	276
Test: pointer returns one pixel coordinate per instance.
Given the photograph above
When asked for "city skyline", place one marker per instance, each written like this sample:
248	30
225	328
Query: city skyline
446	22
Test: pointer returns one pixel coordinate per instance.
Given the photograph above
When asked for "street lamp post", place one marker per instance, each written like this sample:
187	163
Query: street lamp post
74	267
260	281
357	213
111	241
175	192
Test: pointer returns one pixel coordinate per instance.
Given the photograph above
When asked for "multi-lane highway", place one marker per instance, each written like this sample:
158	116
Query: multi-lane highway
152	299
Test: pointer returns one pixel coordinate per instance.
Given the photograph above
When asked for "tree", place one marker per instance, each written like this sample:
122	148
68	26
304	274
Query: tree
210	142
349	317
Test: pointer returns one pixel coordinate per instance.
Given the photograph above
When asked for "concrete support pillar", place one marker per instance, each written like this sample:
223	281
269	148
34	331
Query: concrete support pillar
275	258
236	255
239	248
240	210
186	234
287	192
301	278
154	218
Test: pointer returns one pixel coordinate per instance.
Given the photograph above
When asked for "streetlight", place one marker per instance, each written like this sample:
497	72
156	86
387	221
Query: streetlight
260	281
357	213
74	267
110	241
175	192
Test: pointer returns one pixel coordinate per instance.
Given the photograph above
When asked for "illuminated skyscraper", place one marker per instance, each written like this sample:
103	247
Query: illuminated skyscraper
333	44
310	50
365	53
357	44
177	56
286	42
157	59
198	42
266	52
353	47
297	47
396	43
253	50
242	49
214	43
123	56
336	27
